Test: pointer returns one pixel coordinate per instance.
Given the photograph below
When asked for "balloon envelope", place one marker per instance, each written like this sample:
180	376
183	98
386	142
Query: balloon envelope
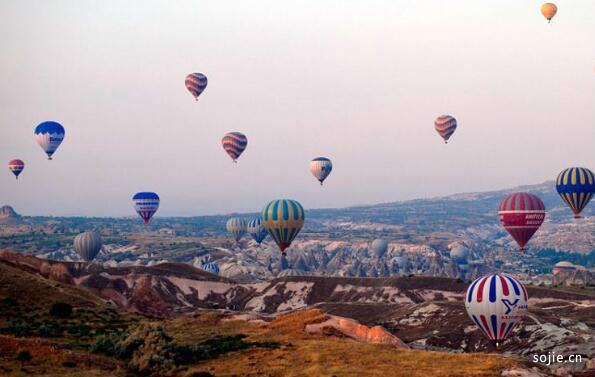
87	245
146	204
445	125
379	247
211	267
283	219
16	166
576	187
496	304
549	10
521	214
237	227
196	83
49	136
321	167
234	144
256	230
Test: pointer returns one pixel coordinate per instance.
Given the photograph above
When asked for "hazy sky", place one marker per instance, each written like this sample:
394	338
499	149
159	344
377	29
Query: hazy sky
359	82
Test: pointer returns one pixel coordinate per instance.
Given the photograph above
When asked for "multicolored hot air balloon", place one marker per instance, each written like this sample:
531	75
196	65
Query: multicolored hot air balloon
16	166
196	83
496	304
49	136
549	10
576	187
379	247
445	125
87	245
146	204
256	230
237	227
521	214
283	219
234	144
321	167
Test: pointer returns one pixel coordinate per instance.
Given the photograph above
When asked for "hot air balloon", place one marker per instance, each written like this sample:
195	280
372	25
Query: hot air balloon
576	187
211	267
49	136
549	10
87	245
521	214
321	167
237	227
283	219
256	230
379	247
445	125
196	83
234	144
146	204
16	167
496	304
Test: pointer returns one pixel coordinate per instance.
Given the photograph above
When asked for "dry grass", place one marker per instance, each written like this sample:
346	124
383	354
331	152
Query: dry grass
305	355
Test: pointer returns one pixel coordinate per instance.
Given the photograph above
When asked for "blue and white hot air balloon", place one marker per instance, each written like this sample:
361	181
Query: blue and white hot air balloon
321	167
49	136
257	230
211	267
496	304
146	204
237	227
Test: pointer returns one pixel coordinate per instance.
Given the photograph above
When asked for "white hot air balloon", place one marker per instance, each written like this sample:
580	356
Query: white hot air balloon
321	167
496	304
87	245
237	227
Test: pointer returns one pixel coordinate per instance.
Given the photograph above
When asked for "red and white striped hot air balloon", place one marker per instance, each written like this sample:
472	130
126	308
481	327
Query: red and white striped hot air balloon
521	214
16	166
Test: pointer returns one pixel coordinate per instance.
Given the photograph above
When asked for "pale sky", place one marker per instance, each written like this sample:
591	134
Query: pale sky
359	82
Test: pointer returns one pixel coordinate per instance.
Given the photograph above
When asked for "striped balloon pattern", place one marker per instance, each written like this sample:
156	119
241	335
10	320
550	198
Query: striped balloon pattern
49	136
87	245
146	204
256	230
283	219
16	166
211	267
521	214
196	83
234	144
496	304
237	227
445	125
576	187
321	167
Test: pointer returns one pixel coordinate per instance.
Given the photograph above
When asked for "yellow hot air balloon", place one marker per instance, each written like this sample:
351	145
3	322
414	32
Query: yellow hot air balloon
549	10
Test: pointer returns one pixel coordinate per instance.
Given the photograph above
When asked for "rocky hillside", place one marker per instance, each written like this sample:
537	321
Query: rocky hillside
9	216
425	312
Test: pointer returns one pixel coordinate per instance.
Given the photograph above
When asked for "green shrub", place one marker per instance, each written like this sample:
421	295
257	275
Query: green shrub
61	310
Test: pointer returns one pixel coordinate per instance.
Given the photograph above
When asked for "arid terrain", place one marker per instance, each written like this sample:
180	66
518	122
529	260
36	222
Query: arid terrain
176	320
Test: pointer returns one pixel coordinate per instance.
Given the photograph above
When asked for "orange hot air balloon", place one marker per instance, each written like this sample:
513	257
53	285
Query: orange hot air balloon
549	10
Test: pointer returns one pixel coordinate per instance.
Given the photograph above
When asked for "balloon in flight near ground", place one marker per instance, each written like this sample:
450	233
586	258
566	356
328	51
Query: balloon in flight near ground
237	227
549	10
49	136
87	245
283	219
445	125
234	144
146	204
521	214
211	267
321	167
196	83
379	247
16	166
256	230
576	187
496	304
